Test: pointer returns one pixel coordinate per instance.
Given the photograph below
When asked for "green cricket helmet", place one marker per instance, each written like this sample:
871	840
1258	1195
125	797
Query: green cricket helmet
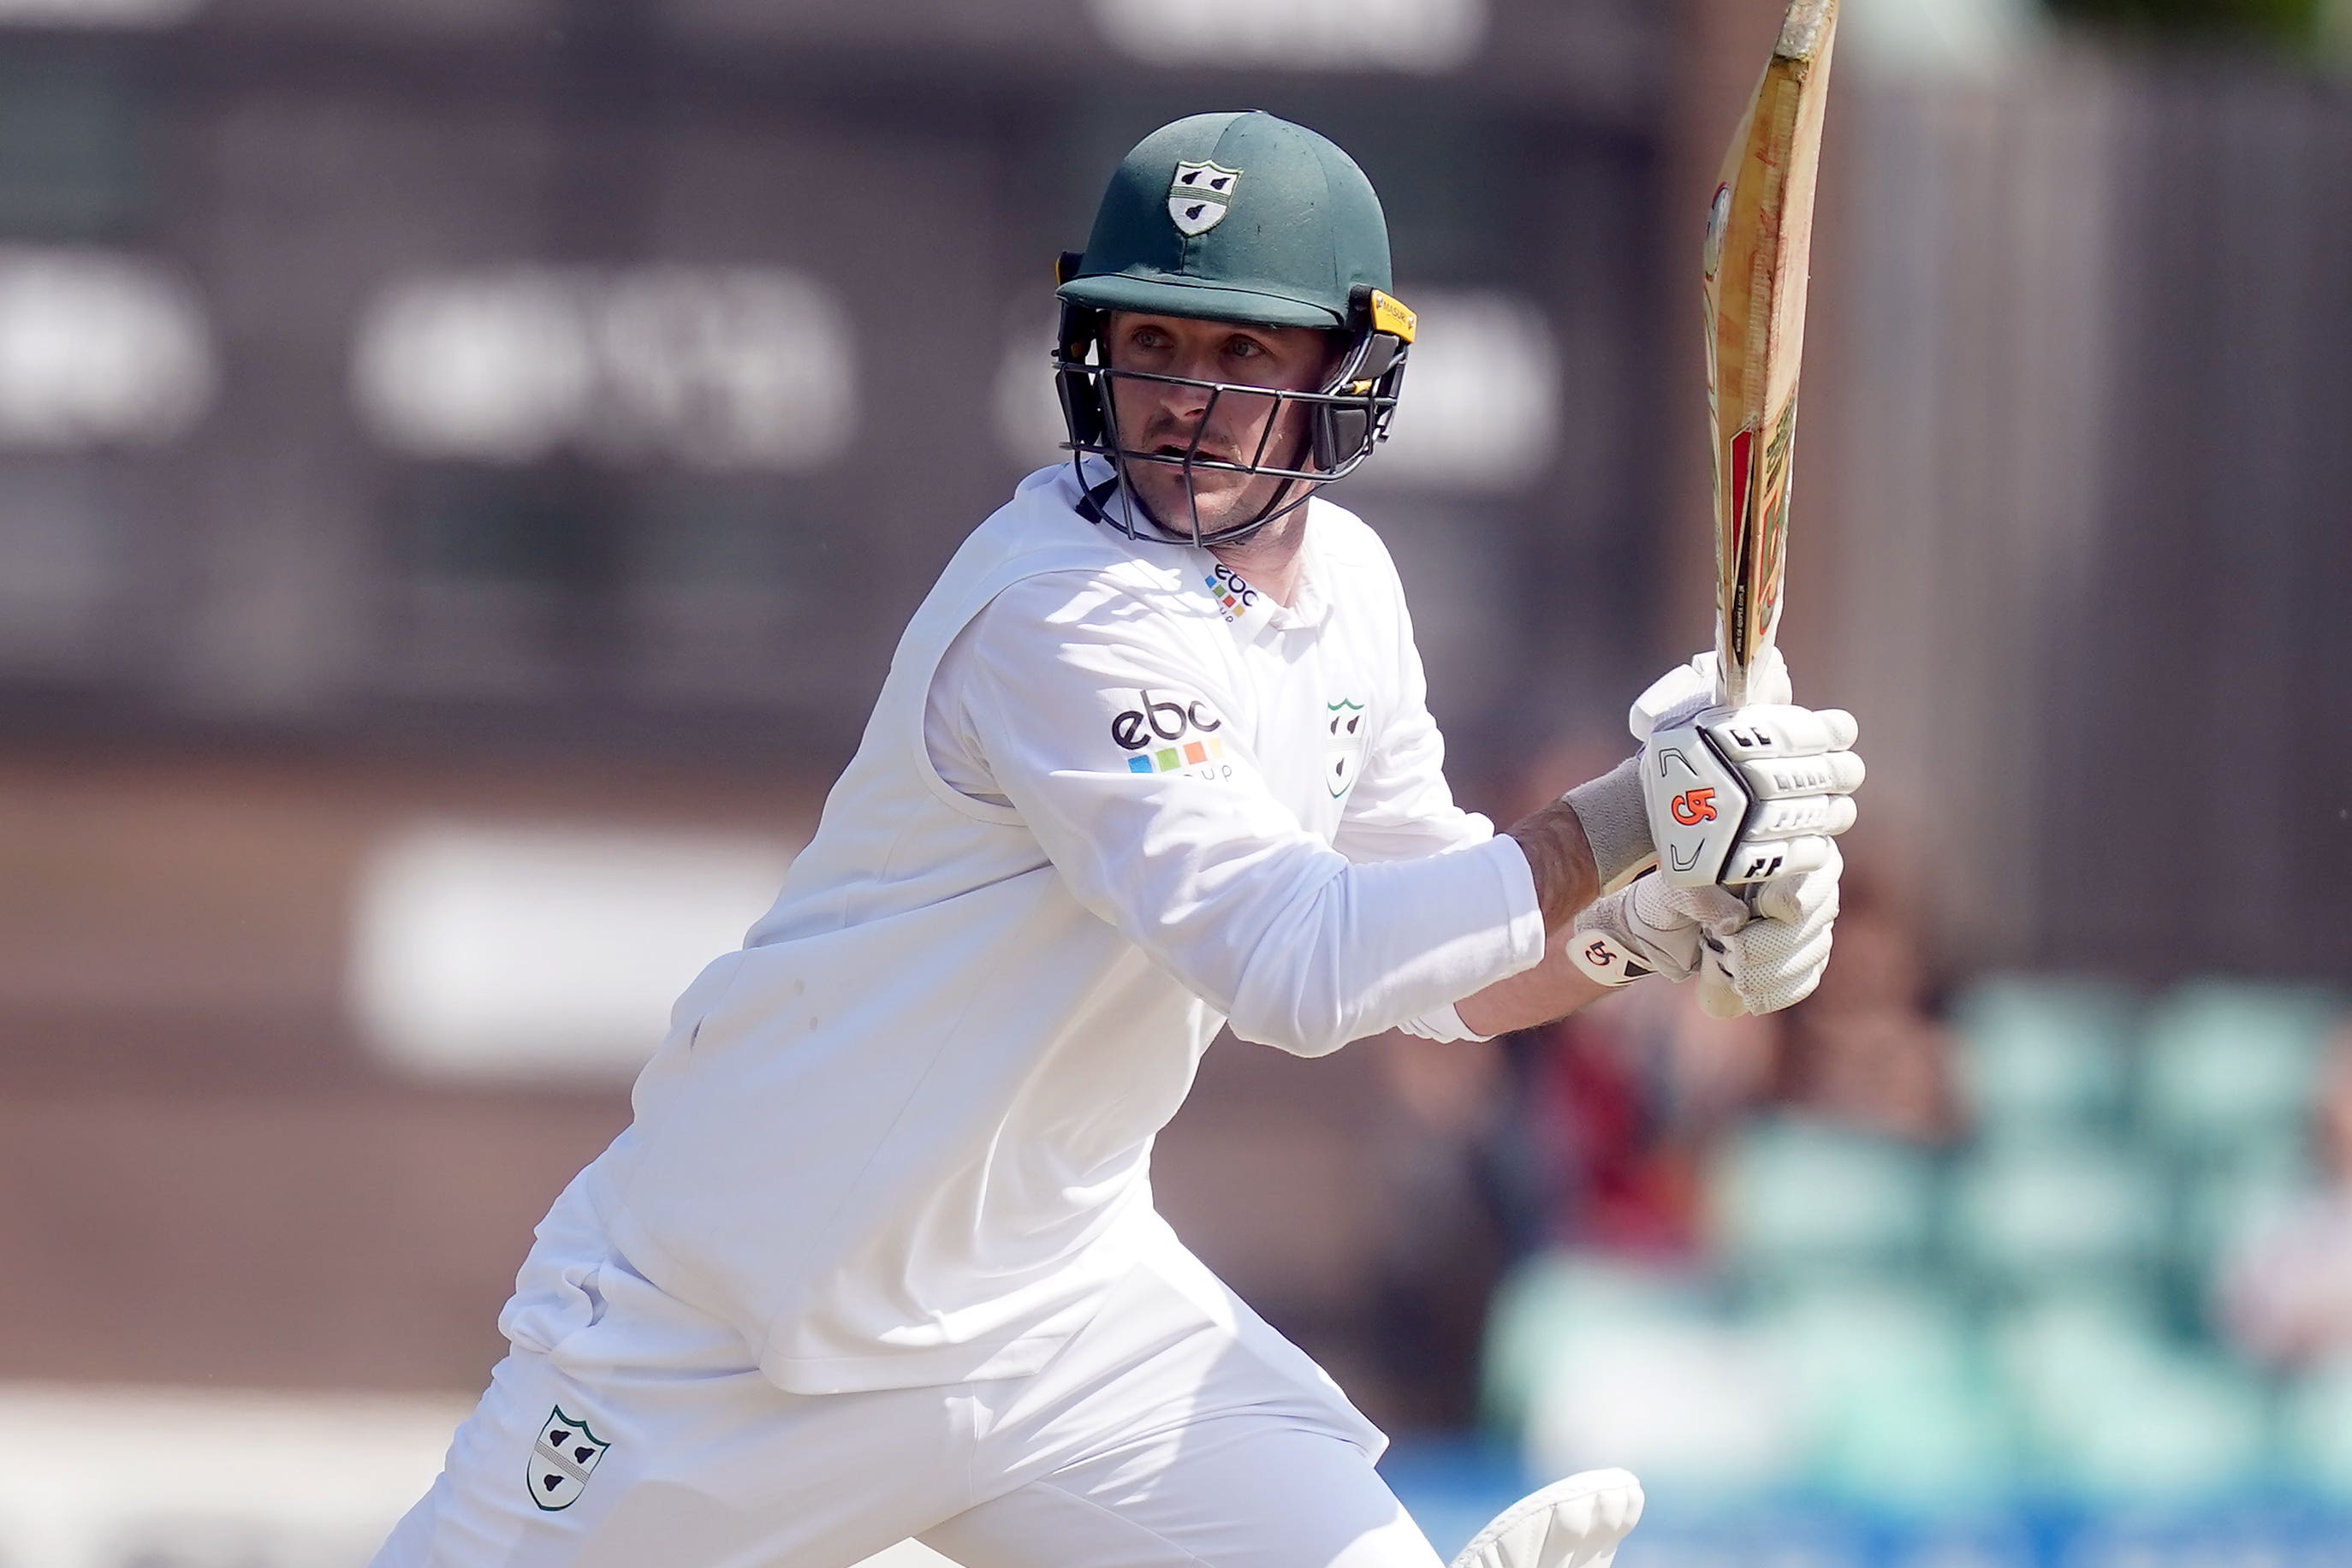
1249	219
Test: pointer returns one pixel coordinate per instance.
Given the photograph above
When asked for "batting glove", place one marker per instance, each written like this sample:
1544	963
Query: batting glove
1737	795
1772	958
1756	957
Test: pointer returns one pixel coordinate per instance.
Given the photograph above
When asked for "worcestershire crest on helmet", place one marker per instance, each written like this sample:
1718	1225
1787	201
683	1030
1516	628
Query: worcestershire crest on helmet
1201	196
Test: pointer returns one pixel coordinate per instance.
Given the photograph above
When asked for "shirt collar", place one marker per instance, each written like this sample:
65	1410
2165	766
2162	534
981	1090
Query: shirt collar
1250	612
1255	614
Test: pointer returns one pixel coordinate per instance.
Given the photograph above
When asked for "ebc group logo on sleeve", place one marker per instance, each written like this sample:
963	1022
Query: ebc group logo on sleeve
1169	733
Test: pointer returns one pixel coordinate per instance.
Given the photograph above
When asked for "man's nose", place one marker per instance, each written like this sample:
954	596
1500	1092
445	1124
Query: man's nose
1186	405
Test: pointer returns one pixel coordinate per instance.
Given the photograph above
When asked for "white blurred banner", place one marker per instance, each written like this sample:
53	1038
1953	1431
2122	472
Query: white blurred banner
540	952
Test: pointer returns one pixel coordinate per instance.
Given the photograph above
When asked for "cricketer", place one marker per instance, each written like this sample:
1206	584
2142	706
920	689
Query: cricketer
878	1256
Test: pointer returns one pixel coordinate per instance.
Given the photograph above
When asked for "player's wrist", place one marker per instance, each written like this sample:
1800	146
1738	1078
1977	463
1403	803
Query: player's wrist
1615	821
1560	858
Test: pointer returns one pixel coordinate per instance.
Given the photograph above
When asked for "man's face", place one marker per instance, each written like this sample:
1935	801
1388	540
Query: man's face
1157	418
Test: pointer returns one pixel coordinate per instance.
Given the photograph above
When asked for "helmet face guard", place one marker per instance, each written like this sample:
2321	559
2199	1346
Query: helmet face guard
1346	417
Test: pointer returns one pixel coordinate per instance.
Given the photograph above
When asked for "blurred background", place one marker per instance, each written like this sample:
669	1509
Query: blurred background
464	465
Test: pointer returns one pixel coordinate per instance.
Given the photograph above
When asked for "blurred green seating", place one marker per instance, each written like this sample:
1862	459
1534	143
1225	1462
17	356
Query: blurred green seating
1541	1310
2026	1215
1791	1200
1591	1361
2111	1407
2230	1068
1893	1404
2041	1056
2316	1429
2226	1202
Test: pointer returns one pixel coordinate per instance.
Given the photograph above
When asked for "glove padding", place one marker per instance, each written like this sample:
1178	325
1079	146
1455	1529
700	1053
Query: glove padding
1686	691
1649	927
1774	957
1745	795
1755	958
1574	1523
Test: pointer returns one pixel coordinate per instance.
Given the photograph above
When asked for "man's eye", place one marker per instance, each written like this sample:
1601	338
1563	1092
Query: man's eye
1246	348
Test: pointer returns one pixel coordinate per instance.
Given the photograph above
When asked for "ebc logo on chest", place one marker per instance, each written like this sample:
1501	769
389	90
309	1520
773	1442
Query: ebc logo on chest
562	1460
1171	733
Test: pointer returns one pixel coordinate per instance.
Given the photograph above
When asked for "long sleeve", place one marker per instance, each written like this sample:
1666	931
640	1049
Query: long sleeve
1119	753
1402	805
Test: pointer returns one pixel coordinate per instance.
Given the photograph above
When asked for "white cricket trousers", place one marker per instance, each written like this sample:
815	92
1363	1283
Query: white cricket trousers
1176	1428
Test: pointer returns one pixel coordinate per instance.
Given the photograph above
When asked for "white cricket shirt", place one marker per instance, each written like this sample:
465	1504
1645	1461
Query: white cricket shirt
1109	799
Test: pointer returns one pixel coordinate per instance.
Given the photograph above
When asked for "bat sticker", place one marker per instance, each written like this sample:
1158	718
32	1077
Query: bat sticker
1772	540
1742	475
1718	219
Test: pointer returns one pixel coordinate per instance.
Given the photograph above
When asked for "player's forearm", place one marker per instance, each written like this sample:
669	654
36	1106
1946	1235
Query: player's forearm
1551	990
1560	856
1561	860
1367	949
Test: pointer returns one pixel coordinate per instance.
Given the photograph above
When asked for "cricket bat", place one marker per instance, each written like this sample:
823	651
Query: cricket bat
1759	241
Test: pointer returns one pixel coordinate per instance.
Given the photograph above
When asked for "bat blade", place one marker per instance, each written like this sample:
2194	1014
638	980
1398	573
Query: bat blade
1759	246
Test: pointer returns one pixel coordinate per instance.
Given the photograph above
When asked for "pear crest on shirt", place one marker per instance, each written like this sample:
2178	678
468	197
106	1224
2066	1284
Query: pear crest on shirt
562	1458
1344	750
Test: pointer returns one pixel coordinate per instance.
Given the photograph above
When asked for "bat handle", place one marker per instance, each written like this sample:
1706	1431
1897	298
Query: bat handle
1730	683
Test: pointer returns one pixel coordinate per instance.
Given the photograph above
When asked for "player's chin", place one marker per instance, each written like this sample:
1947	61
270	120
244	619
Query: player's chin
1212	500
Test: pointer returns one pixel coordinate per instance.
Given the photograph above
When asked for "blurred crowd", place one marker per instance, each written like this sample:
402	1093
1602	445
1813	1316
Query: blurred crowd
1629	1100
2086	1238
2284	1294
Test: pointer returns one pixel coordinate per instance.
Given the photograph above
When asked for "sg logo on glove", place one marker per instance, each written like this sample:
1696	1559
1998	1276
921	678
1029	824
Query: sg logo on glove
1693	806
1749	794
